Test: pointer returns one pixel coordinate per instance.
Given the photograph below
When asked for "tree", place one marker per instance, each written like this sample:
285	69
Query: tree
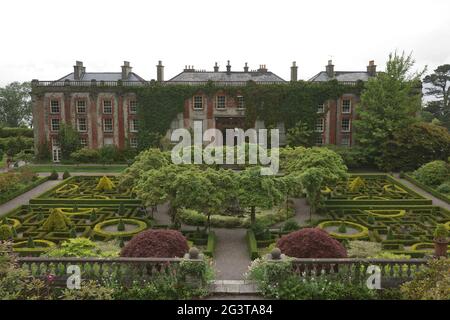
439	87
69	140
312	181
415	145
256	190
15	104
390	101
300	135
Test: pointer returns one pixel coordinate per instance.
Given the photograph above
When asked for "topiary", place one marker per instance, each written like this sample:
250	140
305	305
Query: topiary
156	243
390	234
5	232
121	210
342	228
370	219
104	184
54	175
432	173
66	174
73	233
57	221
93	215
444	188
440	233
120	226
311	243
30	243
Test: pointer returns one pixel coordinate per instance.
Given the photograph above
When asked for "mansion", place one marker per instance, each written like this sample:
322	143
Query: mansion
95	104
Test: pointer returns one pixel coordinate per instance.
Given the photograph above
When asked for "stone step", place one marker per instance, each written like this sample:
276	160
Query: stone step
233	287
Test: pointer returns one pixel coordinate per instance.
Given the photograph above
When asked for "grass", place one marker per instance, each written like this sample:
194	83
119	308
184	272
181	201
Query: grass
78	168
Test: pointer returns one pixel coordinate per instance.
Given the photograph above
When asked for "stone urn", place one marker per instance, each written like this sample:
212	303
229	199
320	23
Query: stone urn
440	247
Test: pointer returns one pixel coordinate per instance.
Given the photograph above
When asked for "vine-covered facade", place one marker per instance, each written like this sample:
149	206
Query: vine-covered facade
123	109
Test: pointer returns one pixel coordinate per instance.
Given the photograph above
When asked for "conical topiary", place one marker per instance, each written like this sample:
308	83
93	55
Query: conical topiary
120	226
342	228
93	215
57	221
73	233
121	209
390	234
104	184
30	243
370	219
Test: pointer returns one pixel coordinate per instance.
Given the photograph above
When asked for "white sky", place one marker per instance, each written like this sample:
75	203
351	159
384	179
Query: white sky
42	39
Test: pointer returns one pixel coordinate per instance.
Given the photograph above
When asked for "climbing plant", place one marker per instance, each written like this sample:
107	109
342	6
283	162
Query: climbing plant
159	105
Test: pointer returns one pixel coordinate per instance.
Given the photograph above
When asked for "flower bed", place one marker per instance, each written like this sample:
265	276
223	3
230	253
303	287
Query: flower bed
353	230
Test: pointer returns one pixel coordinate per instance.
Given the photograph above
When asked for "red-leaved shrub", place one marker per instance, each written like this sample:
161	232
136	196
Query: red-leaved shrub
156	243
311	243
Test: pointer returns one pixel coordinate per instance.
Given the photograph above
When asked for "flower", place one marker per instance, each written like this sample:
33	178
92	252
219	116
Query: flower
51	278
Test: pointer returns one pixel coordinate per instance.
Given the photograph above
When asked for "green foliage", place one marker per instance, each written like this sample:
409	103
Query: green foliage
389	102
290	225
444	188
433	173
66	175
5	232
69	140
82	247
120	226
300	135
53	175
415	145
89	290
363	249
286	103
432	283
441	232
85	155
15	104
57	221
342	228
438	87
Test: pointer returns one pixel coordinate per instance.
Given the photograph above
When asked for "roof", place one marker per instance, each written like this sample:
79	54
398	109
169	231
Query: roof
258	76
342	76
102	76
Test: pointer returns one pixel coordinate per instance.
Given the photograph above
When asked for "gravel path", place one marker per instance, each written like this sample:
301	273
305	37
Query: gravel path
25	197
436	201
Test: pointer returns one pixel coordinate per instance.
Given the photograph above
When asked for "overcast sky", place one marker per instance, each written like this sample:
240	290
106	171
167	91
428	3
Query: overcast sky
42	39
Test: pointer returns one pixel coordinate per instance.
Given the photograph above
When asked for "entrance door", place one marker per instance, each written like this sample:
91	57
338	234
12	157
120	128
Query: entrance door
56	153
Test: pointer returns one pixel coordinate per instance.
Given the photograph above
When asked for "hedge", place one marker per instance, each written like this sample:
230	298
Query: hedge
6	132
428	189
252	244
9	196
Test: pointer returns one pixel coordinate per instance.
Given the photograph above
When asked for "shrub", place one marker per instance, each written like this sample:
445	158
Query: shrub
432	283
444	188
66	175
57	221
85	155
441	232
89	290
311	243
433	173
54	175
104	184
83	247
290	225
363	249
156	243
5	232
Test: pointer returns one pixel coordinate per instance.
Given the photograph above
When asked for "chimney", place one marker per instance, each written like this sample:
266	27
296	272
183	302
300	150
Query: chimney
372	68
246	67
216	68
228	67
330	69
294	70
126	70
78	70
189	68
159	72
262	68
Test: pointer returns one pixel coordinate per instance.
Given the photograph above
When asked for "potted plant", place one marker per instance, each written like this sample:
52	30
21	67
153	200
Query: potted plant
440	241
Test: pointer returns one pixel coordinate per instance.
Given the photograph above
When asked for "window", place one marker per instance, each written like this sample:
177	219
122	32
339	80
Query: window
54	106
56	154
82	124
134	125
319	140
107	106
345	140
346	105
81	106
345	125
83	142
133	106
220	102
320	125
321	108
108	141
55	125
133	142
107	125
240	102
198	102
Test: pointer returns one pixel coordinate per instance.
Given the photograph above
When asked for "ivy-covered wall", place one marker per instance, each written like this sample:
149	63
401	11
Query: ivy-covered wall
158	105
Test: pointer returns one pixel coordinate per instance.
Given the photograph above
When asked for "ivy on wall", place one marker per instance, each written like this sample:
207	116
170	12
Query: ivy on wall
159	105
